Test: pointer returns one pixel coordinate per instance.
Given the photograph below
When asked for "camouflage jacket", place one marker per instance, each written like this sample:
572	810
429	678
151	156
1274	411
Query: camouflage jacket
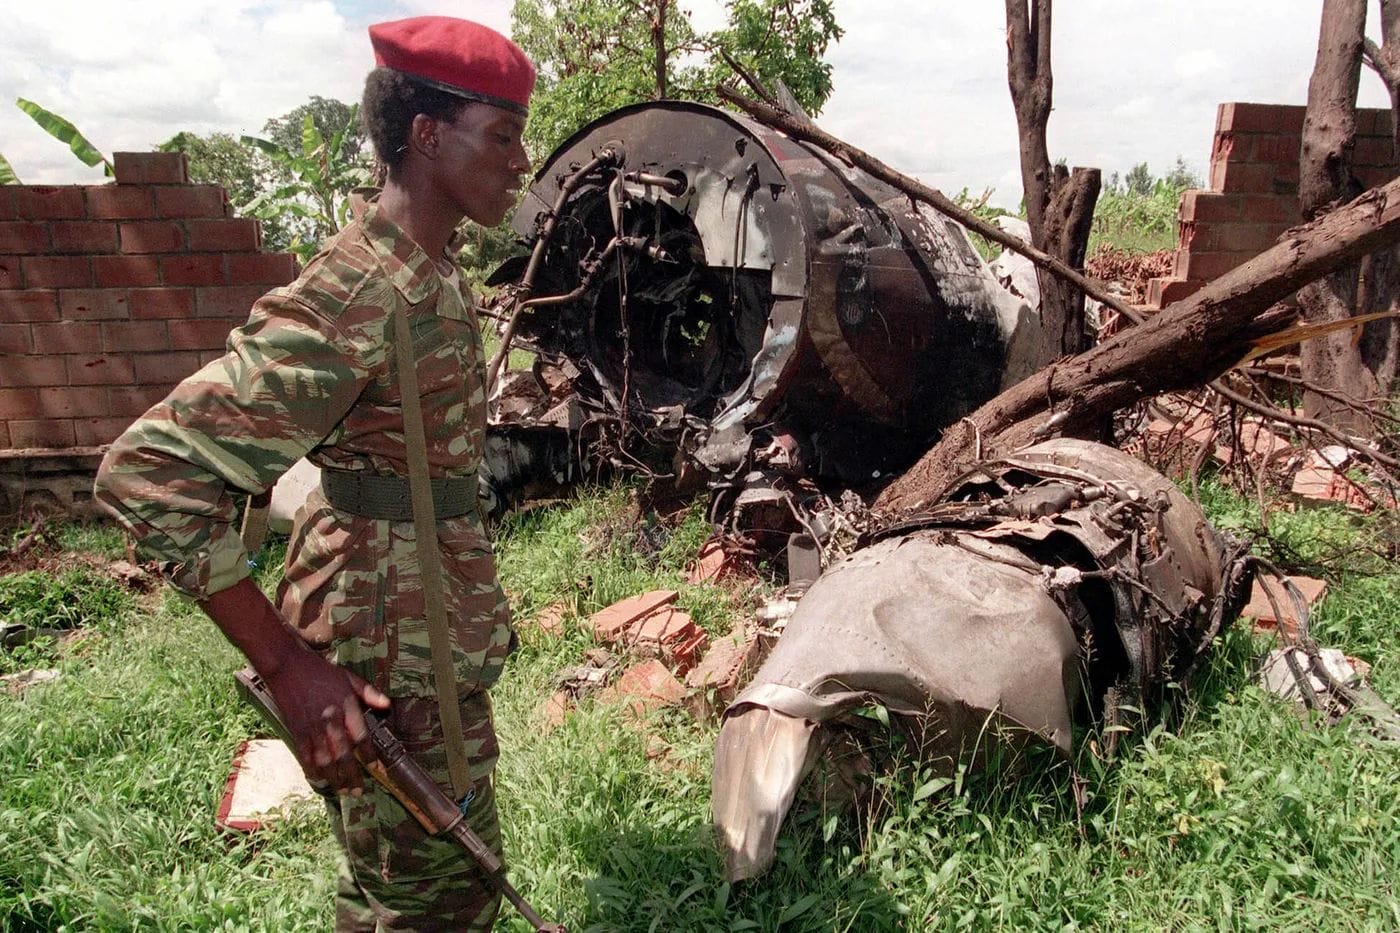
312	373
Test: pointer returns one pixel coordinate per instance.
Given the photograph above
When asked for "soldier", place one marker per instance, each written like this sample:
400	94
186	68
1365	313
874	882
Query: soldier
313	372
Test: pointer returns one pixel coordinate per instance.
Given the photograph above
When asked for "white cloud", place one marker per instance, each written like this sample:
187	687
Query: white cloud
921	85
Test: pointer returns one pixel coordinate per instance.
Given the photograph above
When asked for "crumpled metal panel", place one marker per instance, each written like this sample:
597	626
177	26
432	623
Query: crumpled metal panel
795	292
1040	592
917	624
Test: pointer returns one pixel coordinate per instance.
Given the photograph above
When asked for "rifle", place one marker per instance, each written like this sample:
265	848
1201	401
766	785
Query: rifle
403	777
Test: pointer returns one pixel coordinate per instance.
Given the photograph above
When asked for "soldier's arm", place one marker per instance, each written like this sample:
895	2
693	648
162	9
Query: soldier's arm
320	701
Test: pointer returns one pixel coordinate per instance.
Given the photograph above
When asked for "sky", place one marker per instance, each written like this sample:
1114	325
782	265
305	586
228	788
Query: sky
921	84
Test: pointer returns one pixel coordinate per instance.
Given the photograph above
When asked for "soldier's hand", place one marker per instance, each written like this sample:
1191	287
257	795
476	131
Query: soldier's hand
323	706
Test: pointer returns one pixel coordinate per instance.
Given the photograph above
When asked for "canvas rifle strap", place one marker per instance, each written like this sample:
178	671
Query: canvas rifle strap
430	559
255	520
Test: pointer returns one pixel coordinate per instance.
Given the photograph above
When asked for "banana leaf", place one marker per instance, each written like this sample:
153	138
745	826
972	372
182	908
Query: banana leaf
7	174
65	132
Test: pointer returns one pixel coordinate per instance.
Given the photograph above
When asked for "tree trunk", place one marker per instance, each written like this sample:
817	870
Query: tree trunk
658	44
1059	205
1190	343
1325	176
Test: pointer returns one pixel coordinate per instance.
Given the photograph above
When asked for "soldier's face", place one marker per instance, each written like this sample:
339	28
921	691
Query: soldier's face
482	160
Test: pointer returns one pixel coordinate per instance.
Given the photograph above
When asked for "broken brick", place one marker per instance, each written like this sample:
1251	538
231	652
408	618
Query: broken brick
610	623
647	686
669	633
1262	611
721	672
556	708
711	563
550	619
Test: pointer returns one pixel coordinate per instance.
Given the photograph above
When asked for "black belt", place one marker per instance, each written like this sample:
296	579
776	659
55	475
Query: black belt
376	495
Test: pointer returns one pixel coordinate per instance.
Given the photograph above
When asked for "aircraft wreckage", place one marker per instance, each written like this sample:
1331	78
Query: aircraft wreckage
707	296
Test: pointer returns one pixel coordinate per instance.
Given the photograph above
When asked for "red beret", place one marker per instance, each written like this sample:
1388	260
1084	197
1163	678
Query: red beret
456	56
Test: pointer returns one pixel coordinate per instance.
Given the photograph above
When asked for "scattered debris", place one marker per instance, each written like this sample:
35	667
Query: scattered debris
716	559
669	634
550	619
645	687
950	621
610	623
716	680
1324	681
16	684
1279	613
265	781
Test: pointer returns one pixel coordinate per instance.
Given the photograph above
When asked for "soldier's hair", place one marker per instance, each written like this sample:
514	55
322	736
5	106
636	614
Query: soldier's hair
391	101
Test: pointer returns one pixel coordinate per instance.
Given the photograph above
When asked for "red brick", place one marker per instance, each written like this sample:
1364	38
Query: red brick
164	368
155	303
193	269
57	271
120	202
33	371
23	236
105	370
83	236
1238	238
261	268
229	301
151	168
1269	208
95	432
647	686
720	674
1260	118
133	336
1163	291
198	335
15	338
1209	205
7	203
1275	149
137	400
229	235
1207	266
208	356
1247	177
92	304
1380	121
153	236
73	402
48	434
20	402
1374	177
26	305
50	202
1373	152
191	201
67	337
4	436
125	271
609	624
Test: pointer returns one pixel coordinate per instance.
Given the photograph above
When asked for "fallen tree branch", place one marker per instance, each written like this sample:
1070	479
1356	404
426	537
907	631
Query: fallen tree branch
1275	413
1369	409
807	132
1190	343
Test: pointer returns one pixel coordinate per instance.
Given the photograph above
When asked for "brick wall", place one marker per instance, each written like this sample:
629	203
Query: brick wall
109	295
1253	195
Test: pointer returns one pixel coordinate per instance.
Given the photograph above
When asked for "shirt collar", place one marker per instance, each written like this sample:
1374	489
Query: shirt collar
405	264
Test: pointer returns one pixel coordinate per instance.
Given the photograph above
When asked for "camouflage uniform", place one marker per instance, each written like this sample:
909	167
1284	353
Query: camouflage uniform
312	373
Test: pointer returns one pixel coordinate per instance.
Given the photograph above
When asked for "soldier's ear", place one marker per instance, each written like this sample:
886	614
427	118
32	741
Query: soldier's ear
423	136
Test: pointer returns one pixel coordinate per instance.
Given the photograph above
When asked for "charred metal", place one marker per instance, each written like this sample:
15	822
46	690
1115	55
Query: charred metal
722	289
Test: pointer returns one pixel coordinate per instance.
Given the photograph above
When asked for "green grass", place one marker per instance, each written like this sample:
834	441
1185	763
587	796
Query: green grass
1233	812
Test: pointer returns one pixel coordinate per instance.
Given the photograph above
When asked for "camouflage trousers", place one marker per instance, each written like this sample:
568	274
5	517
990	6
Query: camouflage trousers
393	875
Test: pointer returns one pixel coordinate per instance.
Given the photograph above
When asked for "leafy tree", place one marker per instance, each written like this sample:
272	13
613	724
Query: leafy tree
598	55
313	182
1138	180
330	116
242	170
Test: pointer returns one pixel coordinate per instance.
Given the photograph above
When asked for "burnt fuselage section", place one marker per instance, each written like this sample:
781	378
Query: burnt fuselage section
729	284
